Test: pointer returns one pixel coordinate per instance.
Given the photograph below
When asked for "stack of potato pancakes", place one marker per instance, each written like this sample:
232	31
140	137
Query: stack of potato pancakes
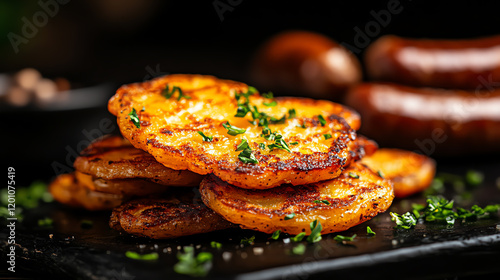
201	154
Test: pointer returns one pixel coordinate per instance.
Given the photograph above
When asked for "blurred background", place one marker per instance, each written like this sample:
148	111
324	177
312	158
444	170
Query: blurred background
92	47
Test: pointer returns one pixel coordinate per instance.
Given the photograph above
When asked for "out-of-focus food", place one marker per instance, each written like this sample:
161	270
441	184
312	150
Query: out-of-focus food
410	172
432	121
467	64
113	157
177	214
300	62
274	141
67	190
29	87
357	195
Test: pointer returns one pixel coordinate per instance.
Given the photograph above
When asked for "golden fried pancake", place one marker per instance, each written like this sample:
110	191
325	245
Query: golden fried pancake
66	189
113	157
126	187
178	214
410	172
357	195
163	117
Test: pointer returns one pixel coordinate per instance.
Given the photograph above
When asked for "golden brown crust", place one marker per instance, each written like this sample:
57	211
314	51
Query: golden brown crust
410	172
169	132
352	201
113	157
67	190
176	215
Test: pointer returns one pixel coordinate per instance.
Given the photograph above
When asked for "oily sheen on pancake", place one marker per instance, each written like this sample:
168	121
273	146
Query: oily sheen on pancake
357	195
167	126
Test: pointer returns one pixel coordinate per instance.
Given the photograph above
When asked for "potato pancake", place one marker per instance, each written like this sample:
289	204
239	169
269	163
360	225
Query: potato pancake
178	214
113	157
126	187
410	172
207	125
67	190
357	195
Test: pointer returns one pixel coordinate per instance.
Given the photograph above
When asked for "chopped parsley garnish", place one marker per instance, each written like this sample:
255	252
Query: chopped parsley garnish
322	201
315	235
45	222
206	138
327	136
145	257
380	174
276	234
215	244
321	120
341	238
369	231
268	95
303	125
294	143
270	104
143	109
262	146
298	237
474	178
353	175
169	93
233	130
405	221
292	113
247	241
299	249
192	265
86	224
134	118
289	216
279	143
246	156
243	145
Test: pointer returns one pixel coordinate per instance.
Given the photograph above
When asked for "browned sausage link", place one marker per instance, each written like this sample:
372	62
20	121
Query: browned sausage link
429	120
466	64
299	62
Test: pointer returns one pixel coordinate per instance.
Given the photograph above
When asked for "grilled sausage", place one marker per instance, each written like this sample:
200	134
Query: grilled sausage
466	64
429	120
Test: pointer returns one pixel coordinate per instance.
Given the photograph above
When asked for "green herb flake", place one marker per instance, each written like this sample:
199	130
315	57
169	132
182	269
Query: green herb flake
315	235
268	95
189	264
405	221
289	216
322	120
145	257
369	231
353	175
474	178
262	146
327	136
300	249
343	239
246	156
86	224
143	109
247	241
215	244
206	138
243	145
322	201
233	130
294	143
270	104
276	234
380	174
292	113
134	118
45	222
298	237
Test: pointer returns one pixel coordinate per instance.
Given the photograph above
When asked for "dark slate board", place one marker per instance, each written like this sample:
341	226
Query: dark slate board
429	251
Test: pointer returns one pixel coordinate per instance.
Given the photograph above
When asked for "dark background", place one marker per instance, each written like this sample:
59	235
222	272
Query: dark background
115	42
